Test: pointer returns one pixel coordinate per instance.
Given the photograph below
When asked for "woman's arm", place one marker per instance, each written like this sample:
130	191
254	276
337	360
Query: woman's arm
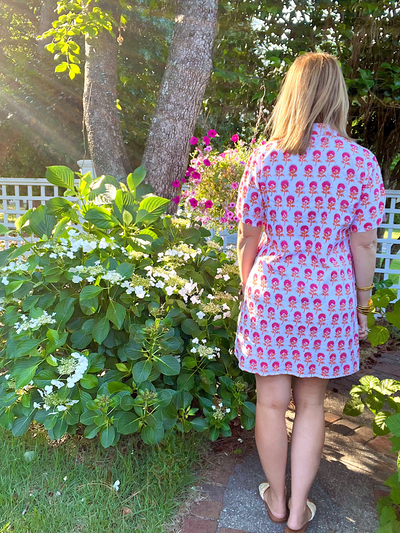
363	248
247	247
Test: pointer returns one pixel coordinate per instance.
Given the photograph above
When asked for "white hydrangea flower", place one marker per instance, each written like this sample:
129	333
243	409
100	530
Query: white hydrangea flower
4	280
76	279
200	315
116	485
57	383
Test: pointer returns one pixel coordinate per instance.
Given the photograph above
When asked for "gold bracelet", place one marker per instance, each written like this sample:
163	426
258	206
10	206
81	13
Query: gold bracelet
364	288
366	309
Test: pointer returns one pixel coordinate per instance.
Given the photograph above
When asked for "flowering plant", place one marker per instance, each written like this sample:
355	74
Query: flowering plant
117	318
212	180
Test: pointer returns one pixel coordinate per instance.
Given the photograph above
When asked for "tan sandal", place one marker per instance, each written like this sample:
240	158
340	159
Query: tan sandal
262	488
313	509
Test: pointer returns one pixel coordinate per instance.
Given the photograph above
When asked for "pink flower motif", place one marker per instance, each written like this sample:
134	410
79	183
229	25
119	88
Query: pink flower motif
207	162
208	204
194	141
235	138
176	199
193	202
235	185
206	140
212	133
176	183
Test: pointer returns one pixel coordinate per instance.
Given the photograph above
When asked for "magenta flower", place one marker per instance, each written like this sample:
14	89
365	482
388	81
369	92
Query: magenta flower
263	142
208	148
176	183
206	140
253	140
176	199
235	185
235	138
194	141
183	180
212	133
196	175
193	202
235	219
232	204
207	162
208	204
230	214
190	170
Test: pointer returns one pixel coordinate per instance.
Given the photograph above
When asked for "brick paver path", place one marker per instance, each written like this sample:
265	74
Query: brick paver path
350	481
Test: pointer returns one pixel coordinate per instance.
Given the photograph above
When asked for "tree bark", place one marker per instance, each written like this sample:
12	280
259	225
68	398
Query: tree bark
102	123
47	16
182	89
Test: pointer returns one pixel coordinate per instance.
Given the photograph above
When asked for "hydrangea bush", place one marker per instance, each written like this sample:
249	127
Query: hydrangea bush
117	318
211	182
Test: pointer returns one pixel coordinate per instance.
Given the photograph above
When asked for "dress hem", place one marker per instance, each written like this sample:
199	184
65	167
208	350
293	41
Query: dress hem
296	375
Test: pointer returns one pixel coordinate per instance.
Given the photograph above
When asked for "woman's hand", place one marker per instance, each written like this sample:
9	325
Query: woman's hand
362	325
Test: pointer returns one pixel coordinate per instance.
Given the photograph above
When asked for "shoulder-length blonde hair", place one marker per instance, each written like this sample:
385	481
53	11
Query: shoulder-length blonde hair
313	91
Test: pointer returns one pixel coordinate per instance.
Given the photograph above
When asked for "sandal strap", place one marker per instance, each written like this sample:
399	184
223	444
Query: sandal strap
313	508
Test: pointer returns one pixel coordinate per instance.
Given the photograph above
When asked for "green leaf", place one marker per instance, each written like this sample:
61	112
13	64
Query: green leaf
101	330
89	292
214	433
135	179
141	371
62	67
60	176
379	425
101	218
58	206
393	423
41	222
152	434
199	424
168	365
128	423
89	381
116	314
24	371
4	230
21	425
185	381
354	407
190	327
378	335
107	436
151	208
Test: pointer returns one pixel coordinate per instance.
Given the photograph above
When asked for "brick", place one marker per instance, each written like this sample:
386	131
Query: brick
214	492
227	530
344	427
331	417
199	525
207	509
380	493
381	444
387	368
219	475
362	435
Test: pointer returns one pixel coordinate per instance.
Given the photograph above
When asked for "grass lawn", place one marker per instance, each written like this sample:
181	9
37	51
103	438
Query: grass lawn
68	487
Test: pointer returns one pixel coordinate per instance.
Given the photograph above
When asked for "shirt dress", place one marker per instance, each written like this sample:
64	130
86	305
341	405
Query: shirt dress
298	315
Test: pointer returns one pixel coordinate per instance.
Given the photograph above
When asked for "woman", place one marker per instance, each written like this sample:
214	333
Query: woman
309	203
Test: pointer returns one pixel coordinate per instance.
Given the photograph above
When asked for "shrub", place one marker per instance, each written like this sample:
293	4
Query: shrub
118	318
382	399
386	306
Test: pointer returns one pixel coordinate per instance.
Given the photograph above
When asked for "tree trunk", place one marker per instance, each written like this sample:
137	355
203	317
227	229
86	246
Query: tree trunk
47	16
102	123
182	89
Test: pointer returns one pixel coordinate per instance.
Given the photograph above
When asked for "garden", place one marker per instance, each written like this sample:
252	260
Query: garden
119	296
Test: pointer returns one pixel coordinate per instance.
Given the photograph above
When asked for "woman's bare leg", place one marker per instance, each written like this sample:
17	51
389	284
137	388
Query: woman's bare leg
307	443
273	397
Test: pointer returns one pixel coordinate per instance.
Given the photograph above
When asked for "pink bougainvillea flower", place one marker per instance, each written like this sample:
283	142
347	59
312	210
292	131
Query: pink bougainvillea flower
212	133
176	199
253	140
206	140
207	162
235	138
193	202
208	204
208	148
196	175
194	141
176	183
235	185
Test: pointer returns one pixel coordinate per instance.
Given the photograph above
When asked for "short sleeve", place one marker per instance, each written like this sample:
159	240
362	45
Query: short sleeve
250	204
370	210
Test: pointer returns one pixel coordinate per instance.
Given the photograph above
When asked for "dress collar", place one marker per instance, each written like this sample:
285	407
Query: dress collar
324	129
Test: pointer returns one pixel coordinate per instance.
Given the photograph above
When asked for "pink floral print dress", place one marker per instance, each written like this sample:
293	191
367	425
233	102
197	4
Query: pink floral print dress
298	315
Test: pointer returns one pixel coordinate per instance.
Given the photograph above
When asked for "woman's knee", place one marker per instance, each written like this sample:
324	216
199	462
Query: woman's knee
309	393
273	392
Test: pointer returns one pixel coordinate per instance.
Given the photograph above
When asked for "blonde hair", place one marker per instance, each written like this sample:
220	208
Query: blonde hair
313	91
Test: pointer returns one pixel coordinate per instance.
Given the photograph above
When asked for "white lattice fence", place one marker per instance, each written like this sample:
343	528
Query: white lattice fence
17	196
